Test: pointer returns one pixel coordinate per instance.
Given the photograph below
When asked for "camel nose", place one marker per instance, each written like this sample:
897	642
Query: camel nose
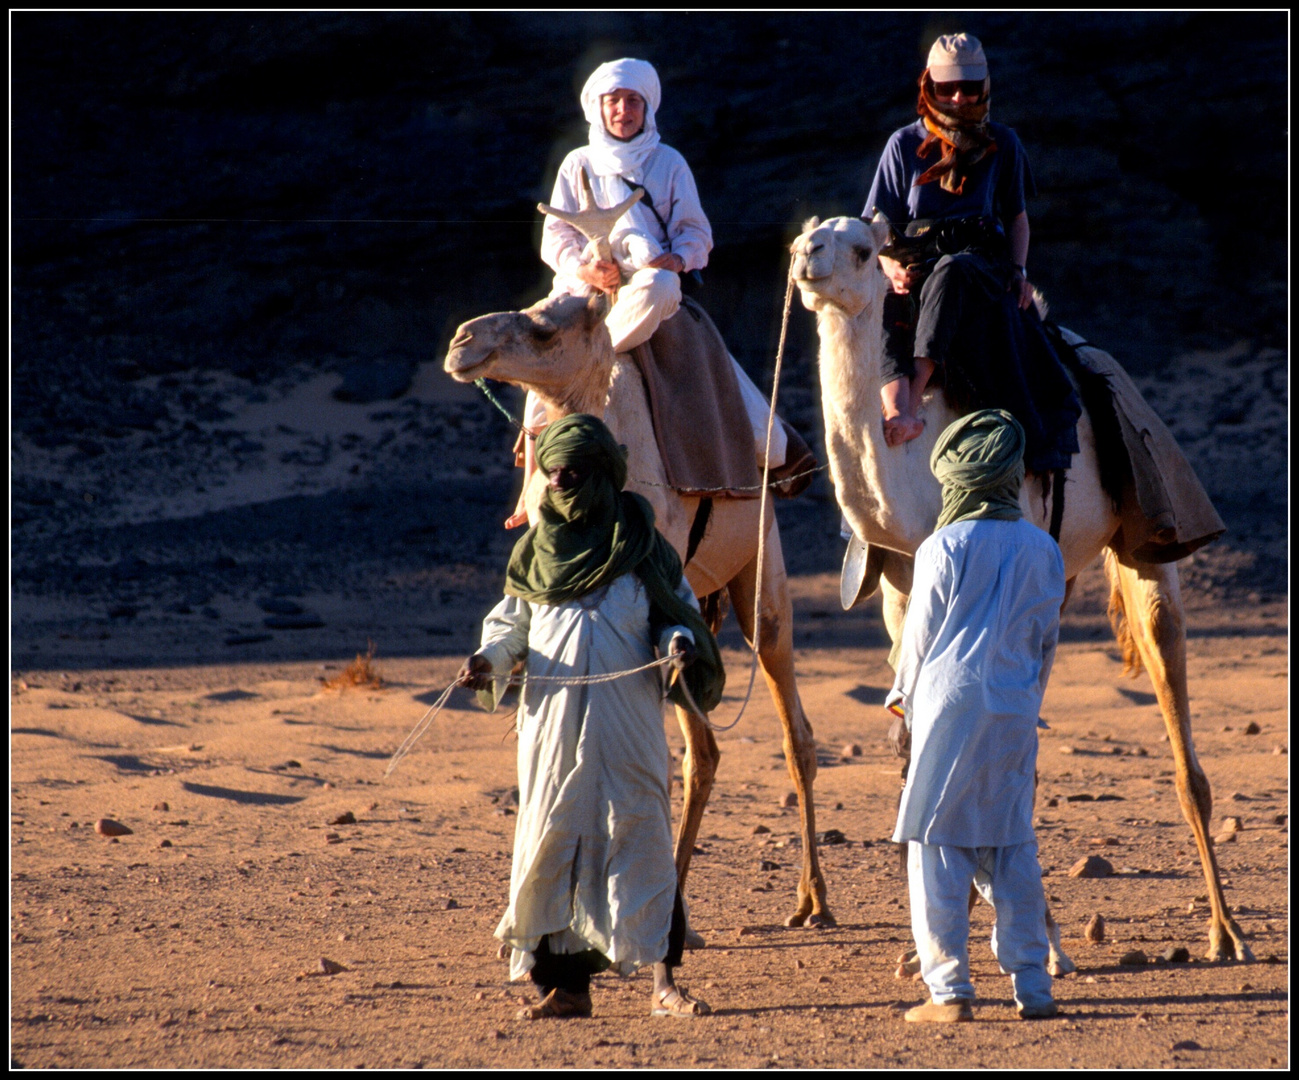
463	337
811	261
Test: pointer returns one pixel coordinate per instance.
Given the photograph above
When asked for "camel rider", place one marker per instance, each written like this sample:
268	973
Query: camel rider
664	235
952	186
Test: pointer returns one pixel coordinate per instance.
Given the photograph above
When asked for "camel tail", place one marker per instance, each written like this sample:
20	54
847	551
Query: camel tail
1118	614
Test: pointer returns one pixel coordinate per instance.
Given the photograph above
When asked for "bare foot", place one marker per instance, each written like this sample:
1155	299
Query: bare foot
519	517
674	1001
901	429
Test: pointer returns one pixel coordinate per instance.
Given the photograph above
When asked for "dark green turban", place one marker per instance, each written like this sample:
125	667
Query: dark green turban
594	533
979	460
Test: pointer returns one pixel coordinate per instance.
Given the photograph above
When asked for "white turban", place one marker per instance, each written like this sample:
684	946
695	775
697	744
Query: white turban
610	156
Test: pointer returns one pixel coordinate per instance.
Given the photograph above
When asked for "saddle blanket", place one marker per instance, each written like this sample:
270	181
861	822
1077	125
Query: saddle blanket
700	423
1165	510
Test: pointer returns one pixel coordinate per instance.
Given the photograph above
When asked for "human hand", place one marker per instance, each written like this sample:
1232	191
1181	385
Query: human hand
902	278
475	673
900	737
601	275
668	261
683	652
1023	287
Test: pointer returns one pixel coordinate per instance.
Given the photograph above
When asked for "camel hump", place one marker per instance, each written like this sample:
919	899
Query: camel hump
700	423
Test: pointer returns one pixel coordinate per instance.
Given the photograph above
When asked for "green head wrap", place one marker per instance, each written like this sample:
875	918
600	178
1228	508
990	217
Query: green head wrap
979	460
594	533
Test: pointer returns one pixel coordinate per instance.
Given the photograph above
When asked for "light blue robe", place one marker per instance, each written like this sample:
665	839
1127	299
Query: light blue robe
976	651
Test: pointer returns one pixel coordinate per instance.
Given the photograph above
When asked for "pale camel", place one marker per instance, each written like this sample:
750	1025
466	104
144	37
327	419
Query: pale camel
560	348
891	499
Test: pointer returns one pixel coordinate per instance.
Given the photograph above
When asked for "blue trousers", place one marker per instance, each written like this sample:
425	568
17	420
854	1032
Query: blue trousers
1010	880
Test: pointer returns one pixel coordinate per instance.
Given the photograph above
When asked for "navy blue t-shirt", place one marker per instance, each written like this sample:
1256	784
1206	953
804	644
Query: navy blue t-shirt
995	187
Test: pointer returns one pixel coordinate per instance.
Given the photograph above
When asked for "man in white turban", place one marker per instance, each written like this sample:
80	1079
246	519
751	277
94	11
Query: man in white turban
664	235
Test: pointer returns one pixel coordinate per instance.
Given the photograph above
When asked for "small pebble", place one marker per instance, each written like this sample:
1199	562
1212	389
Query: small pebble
1134	958
1232	824
345	818
790	800
1225	838
1095	931
1187	1044
162	806
1251	728
108	827
1177	954
760	830
852	750
1093	866
164	843
329	967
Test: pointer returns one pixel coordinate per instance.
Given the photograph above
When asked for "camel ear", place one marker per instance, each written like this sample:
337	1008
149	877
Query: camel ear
879	232
811	223
597	307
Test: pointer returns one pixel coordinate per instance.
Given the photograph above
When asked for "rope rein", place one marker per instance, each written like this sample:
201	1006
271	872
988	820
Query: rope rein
588	680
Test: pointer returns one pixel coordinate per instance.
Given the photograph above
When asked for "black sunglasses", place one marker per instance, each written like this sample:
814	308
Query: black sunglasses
968	87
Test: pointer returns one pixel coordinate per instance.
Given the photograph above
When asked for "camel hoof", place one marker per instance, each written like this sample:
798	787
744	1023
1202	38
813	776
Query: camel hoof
694	939
1063	966
908	966
821	921
797	919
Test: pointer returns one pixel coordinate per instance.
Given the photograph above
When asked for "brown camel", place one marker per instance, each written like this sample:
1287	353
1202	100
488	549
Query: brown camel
561	349
892	500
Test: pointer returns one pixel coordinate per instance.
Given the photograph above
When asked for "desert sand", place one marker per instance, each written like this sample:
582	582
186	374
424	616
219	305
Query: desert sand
155	689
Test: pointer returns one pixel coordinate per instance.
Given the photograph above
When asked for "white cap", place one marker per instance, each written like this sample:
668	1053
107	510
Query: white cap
957	57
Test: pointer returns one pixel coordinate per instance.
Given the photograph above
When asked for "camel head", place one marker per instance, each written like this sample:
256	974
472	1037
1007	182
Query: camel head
558	347
835	264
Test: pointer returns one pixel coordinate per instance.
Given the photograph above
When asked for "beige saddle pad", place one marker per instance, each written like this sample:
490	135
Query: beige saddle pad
1166	512
703	432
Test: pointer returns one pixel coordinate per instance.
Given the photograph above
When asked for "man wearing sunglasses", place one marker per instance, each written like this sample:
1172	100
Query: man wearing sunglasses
953	186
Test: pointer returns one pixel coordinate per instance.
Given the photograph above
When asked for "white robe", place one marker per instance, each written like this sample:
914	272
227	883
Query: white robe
593	858
976	651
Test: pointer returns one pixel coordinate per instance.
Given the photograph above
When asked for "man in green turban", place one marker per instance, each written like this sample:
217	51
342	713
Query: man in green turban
592	589
976	650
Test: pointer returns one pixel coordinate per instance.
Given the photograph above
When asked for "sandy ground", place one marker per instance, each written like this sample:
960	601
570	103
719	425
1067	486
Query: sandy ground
196	941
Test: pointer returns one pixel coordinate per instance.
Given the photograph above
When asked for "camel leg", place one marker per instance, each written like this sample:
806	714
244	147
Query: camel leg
698	769
776	657
1146	610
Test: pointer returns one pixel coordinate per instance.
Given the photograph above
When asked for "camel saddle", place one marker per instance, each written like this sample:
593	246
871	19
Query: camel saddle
1166	513
700	423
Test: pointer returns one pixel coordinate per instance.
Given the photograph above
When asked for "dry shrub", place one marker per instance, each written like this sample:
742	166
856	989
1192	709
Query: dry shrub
359	673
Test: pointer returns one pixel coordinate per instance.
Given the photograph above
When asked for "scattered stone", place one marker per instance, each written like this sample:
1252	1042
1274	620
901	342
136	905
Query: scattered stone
1250	729
290	764
1278	750
1139	751
1081	796
108	827
1103	841
767	864
831	836
1053	801
852	750
1068	750
1232	824
838	806
1093	866
449	905
161	807
164	842
760	830
345	818
1095	932
1271	958
744	931
1134	958
329	967
1280	819
1245	988
248	639
791	799
1187	1044
1225	838
333	838
293	622
1177	954
1239	796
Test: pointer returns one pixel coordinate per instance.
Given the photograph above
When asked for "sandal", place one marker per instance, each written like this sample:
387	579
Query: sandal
557	1005
675	1001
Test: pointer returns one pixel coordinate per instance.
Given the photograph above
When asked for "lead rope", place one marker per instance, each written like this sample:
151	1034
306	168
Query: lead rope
762	518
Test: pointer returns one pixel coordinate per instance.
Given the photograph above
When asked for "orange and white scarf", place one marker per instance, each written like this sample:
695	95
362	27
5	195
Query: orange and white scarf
961	131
